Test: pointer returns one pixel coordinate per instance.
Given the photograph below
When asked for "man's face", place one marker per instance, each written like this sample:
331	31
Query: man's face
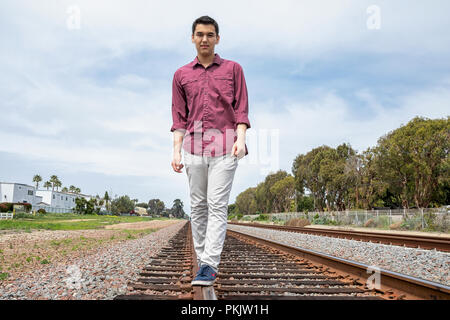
205	39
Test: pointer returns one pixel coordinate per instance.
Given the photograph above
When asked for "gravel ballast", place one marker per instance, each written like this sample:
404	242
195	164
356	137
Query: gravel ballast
431	265
101	275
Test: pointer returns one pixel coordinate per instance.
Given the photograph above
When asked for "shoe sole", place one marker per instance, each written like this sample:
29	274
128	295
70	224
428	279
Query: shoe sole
202	283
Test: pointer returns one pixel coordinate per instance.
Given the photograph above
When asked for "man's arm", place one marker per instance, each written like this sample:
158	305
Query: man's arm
240	111
240	97
179	116
178	140
241	129
180	110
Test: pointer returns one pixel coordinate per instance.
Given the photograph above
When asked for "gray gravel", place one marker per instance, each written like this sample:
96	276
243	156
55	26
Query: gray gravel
101	276
431	265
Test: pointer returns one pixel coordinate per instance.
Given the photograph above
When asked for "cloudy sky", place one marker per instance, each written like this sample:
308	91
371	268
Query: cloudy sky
85	86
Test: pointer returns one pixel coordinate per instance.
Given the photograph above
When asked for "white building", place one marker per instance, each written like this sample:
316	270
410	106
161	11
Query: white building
51	201
18	193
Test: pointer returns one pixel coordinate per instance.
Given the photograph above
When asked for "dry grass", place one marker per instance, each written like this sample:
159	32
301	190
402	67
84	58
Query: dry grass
22	252
297	222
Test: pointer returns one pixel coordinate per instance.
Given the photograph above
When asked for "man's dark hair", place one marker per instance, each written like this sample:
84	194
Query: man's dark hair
205	20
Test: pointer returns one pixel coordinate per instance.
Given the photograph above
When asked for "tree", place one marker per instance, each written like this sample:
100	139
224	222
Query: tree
413	160
269	181
232	209
82	206
53	180
47	184
305	203
246	202
177	209
156	207
37	178
107	199
58	185
122	204
284	192
65	189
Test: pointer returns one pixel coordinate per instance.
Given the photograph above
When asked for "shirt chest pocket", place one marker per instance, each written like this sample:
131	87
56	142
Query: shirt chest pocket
190	87
224	84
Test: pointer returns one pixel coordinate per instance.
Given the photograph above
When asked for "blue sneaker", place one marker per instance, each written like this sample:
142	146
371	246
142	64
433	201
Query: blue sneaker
205	276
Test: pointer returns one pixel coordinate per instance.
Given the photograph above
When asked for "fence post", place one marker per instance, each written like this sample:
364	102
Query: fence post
421	212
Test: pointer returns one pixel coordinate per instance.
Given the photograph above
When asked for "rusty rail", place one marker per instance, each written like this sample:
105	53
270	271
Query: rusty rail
392	285
422	241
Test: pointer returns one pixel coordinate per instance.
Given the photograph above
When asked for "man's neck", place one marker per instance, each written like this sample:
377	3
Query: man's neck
205	61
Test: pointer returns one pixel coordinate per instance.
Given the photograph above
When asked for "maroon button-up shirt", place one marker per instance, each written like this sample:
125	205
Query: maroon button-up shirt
209	103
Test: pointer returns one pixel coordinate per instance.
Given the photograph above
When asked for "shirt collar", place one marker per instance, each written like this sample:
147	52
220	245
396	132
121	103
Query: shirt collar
217	60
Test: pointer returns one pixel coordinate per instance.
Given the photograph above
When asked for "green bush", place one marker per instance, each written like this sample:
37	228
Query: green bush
323	220
21	215
262	217
6	207
9	206
383	222
41	211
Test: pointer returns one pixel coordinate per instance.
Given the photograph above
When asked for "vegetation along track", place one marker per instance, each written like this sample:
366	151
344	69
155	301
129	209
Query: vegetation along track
414	241
253	269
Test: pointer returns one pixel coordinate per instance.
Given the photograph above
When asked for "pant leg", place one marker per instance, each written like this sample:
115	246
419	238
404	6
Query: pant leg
197	172
220	180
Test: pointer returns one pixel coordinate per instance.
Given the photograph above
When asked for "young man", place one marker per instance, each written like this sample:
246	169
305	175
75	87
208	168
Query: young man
210	119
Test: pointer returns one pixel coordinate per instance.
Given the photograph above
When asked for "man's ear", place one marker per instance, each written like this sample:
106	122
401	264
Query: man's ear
192	38
218	39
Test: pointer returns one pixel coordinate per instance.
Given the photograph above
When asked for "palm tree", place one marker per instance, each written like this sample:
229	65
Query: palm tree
177	208
47	184
106	198
72	189
37	178
54	180
58	184
65	190
77	190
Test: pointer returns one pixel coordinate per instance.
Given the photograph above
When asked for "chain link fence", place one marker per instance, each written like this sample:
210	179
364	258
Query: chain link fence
429	219
52	209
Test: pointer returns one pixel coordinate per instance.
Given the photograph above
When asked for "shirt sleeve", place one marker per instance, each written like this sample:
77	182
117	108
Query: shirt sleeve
179	106
241	96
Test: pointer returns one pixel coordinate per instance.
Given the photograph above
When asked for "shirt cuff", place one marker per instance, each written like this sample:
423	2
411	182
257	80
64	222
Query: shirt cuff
242	118
176	126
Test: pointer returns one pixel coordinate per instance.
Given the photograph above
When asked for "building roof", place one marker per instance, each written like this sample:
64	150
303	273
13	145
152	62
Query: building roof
20	184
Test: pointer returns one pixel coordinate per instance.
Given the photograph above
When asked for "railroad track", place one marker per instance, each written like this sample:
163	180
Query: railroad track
419	241
254	269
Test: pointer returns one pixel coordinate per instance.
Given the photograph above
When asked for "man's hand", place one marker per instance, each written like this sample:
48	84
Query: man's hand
238	148
176	162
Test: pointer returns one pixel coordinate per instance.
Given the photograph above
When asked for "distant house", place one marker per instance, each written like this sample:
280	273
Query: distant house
54	201
18	193
60	199
141	211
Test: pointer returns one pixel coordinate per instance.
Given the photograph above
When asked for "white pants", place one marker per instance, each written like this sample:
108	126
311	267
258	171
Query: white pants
210	182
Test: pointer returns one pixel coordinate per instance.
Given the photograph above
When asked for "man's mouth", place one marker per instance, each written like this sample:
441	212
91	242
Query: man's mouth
204	46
